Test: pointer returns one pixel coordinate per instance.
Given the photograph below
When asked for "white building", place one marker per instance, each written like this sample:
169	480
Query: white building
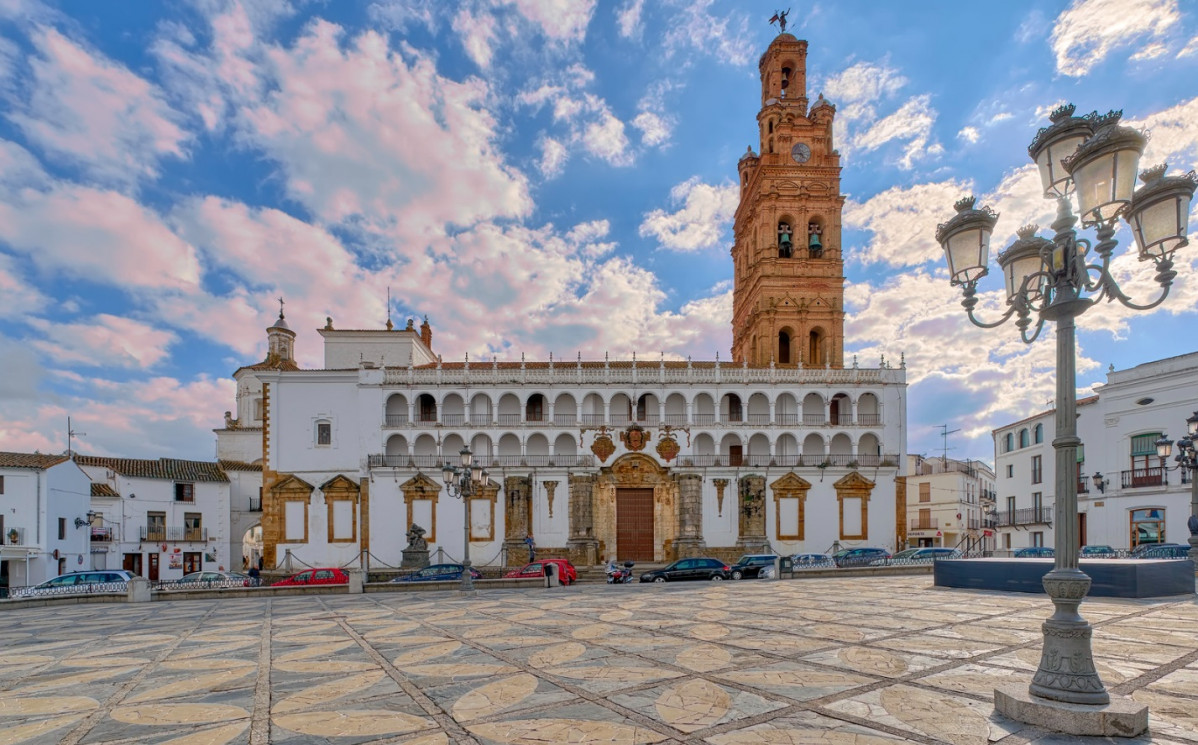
160	519
785	447
1138	499
948	503
44	501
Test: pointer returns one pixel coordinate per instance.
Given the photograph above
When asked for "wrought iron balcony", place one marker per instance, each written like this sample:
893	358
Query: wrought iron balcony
1026	516
13	536
925	523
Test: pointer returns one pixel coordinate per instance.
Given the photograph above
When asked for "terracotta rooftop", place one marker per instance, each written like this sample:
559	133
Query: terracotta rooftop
29	460
237	465
171	469
590	365
103	490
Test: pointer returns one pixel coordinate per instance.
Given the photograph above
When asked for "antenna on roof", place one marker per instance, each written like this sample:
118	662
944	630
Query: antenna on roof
944	433
389	324
72	433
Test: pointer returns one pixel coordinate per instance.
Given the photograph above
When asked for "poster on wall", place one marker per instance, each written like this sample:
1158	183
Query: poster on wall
176	562
210	557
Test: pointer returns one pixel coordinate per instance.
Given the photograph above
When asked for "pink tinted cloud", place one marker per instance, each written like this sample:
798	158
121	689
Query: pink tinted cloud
105	341
89	110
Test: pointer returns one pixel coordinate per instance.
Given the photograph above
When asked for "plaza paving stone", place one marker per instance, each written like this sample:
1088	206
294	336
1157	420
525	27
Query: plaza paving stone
838	661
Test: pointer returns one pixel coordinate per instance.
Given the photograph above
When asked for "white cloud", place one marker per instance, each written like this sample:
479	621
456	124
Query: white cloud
399	14
903	221
1174	138
477	34
18	296
102	236
587	119
969	134
553	157
1088	30
90	111
864	83
104	341
605	138
628	18
700	222
1190	49
368	135
654	129
697	30
913	123
561	20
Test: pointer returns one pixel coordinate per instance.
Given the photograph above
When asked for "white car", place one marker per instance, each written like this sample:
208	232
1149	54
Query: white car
75	583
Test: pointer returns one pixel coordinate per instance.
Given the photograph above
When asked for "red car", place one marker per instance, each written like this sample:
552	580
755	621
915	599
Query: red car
315	577
565	570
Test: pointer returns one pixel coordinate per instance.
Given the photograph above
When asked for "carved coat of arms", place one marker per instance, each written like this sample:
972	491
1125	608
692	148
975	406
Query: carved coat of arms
603	447
634	438
667	448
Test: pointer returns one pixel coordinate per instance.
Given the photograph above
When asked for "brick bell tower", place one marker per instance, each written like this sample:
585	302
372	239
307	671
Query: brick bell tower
788	297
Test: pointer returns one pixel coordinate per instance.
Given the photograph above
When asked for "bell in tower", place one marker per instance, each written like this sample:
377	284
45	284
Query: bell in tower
815	249
785	247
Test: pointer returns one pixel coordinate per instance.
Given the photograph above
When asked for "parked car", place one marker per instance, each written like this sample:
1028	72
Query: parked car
857	557
197	580
752	566
921	555
564	569
1098	552
1161	551
439	573
689	569
72	583
801	561
320	576
1034	552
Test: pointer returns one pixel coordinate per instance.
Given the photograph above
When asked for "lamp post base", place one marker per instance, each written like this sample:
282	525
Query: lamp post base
1122	717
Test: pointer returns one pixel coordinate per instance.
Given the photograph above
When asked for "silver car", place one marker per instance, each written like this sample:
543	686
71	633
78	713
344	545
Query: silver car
75	583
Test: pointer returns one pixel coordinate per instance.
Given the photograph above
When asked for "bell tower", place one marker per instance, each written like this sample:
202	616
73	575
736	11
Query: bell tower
788	297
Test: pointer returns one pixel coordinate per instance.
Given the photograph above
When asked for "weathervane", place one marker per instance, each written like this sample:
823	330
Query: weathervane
780	19
280	306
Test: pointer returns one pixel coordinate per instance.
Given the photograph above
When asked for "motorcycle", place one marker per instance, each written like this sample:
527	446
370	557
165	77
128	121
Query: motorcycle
620	575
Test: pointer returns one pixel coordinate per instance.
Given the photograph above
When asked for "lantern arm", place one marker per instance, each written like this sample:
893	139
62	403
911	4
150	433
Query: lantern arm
970	301
1164	277
1024	306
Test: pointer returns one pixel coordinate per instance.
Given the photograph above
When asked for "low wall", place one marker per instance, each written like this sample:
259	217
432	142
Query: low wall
1111	578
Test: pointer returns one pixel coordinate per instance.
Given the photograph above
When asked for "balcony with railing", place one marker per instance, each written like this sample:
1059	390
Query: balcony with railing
479	420
255	504
13	536
1083	486
1138	478
1026	516
434	462
102	534
925	523
172	533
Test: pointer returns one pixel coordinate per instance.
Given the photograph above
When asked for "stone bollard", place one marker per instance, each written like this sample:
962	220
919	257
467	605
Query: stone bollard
138	590
356	579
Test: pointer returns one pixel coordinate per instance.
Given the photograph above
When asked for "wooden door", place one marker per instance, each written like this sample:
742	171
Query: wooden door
634	524
153	566
1081	528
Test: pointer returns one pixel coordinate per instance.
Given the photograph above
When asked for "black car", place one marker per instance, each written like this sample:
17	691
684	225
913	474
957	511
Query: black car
438	573
687	569
750	566
1161	551
1035	552
859	557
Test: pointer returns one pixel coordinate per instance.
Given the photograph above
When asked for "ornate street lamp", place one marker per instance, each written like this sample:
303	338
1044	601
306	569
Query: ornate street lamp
1187	460
1054	280
463	482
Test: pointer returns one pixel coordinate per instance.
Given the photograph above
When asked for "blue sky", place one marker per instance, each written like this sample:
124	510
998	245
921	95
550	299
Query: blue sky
537	176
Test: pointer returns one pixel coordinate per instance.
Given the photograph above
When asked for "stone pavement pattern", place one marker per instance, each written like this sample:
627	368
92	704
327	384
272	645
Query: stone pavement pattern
839	661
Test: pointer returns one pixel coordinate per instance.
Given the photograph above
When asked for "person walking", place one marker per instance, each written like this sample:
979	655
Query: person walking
532	548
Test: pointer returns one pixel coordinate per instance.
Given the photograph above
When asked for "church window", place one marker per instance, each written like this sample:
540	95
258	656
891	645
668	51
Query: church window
1023	438
1038	437
785	244
771	126
258	411
1008	442
785	79
324	433
783	348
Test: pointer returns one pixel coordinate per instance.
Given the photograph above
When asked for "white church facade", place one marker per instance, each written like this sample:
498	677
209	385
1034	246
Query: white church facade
785	448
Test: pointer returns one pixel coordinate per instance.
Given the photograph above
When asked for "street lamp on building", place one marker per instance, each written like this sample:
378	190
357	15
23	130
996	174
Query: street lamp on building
1057	280
463	482
1187	459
